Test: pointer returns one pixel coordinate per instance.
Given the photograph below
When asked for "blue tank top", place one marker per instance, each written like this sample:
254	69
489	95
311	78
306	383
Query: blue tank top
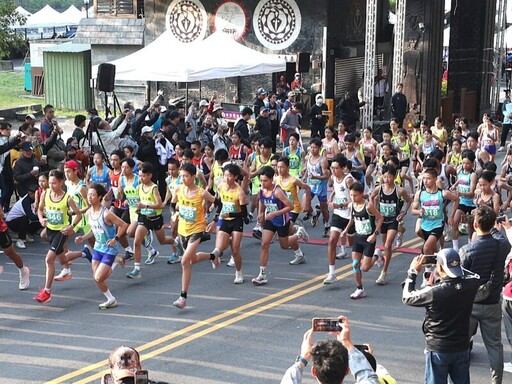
273	204
464	186
104	179
102	233
432	204
318	187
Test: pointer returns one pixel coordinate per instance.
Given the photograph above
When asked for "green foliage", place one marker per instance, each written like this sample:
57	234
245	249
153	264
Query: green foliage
12	90
444	88
59	5
7	18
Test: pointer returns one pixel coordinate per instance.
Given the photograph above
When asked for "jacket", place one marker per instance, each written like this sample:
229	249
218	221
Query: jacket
22	173
482	255
448	307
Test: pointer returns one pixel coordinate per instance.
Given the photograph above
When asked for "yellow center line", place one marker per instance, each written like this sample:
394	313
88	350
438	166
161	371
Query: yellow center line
212	324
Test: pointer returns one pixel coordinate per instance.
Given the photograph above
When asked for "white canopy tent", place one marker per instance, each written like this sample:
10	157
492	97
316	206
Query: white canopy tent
166	59
47	17
22	11
72	15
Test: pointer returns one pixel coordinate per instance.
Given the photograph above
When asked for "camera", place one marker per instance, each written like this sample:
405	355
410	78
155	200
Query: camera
429	259
326	325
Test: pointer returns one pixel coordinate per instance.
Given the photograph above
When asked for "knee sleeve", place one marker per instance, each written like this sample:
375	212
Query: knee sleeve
355	266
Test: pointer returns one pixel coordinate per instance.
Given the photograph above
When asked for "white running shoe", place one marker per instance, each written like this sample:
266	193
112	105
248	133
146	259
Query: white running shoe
382	279
20	244
108	304
501	149
399	239
330	279
180	303
447	233
341	253
261	279
239	278
231	262
24	278
299	259
358	294
302	233
380	258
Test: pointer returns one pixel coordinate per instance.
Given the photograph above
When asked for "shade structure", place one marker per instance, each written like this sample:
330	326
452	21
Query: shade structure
217	56
72	15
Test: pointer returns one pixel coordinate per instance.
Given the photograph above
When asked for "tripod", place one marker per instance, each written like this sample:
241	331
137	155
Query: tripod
108	112
94	139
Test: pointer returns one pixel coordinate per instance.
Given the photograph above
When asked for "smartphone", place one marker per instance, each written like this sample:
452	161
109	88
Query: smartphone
326	325
141	377
500	219
429	259
361	347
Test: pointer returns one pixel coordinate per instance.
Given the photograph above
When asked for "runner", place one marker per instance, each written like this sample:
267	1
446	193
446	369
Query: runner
273	212
103	225
190	200
389	198
233	214
53	215
173	181
150	218
339	201
404	156
296	155
363	217
98	173
330	144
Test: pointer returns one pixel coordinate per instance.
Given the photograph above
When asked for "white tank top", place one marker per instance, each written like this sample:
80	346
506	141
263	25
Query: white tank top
342	195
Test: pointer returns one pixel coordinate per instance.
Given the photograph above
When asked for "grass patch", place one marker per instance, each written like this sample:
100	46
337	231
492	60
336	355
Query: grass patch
12	90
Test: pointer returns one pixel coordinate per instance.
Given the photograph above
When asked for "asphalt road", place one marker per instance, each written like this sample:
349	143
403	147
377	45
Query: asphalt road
228	333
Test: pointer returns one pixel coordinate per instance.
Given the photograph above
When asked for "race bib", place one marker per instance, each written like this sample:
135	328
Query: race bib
55	217
132	201
228	208
314	181
294	163
432	212
271	208
148	211
188	214
363	227
387	209
339	201
464	188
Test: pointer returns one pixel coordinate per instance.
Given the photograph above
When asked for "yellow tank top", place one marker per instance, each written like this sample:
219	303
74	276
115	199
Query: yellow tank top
439	133
218	174
191	210
456	159
230	200
147	197
291	192
416	138
56	212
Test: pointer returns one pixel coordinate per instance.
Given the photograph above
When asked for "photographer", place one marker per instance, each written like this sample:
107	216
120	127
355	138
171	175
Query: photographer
448	305
332	360
109	137
486	257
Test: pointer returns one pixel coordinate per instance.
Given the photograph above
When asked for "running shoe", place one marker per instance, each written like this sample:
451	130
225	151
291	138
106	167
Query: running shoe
231	262
174	259
299	259
463	228
43	296
261	279
29	239
380	258
381	279
256	233
151	257
307	216
148	239
399	239
216	262
20	244
314	218
108	304
507	367
135	274
24	278
180	303
251	216
128	256
341	253
302	234
239	278
501	149
447	233
179	249
63	276
358	294
327	232
330	279
87	252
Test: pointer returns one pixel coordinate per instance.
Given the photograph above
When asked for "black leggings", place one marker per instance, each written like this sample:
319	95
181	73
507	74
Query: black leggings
22	226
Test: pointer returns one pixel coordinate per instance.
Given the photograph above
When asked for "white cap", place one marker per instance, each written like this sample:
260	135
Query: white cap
146	129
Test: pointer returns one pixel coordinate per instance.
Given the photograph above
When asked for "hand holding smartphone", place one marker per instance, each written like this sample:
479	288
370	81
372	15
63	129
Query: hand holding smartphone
429	259
326	325
141	377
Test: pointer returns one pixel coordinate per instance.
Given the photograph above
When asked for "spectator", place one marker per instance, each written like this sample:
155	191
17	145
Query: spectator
123	363
22	220
218	118
47	123
109	137
71	153
283	84
506	305
30	119
448	306
288	103
296	85
332	360
348	111
263	123
26	169
6	178
220	140
399	105
275	114
147	151
281	94
486	256
318	119
242	124
291	122
259	101
79	127
55	154
206	131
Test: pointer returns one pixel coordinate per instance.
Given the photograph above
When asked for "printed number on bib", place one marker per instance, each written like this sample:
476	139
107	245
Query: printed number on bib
55	217
188	213
363	227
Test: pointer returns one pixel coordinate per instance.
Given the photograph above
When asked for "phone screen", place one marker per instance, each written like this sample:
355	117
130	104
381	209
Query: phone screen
429	259
326	325
141	377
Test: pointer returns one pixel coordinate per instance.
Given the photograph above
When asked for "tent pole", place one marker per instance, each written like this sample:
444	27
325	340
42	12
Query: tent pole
186	99
200	90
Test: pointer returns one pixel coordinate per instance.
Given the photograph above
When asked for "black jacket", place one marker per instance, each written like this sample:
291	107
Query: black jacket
398	105
263	126
21	172
448	307
484	254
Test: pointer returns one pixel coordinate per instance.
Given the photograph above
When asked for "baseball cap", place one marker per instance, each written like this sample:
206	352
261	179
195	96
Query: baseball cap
146	129
124	362
163	109
203	103
264	109
261	91
216	107
449	259
26	146
291	93
71	164
70	147
31	116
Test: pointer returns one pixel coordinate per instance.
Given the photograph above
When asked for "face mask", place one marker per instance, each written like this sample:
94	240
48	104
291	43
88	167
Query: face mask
319	102
72	156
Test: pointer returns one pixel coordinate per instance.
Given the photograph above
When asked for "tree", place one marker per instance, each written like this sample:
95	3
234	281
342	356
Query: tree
8	17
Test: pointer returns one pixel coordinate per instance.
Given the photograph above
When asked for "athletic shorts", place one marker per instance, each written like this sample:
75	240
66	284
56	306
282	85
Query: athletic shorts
437	232
465	208
5	240
230	226
103	258
338	224
294	216
57	240
405	163
321	198
151	222
361	245
186	239
283	231
389	226
367	160
491	149
123	214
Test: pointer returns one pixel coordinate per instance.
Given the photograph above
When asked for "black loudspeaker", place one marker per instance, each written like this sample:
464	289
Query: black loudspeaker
303	62
106	77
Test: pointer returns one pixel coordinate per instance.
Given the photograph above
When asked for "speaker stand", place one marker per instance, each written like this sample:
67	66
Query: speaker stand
117	106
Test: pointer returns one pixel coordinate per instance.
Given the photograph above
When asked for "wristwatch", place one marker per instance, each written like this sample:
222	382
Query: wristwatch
302	360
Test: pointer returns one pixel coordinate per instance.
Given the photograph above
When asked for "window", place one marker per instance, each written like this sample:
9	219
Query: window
124	8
